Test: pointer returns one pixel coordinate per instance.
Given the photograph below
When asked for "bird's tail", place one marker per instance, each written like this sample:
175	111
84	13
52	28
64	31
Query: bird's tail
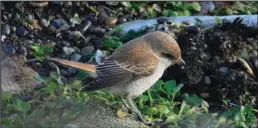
77	65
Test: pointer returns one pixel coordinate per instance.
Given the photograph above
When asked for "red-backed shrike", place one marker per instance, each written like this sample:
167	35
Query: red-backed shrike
134	67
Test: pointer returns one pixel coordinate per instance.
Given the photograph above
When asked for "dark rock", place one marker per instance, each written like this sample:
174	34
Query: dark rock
39	86
59	24
64	80
96	42
71	71
76	57
162	20
22	51
57	3
64	72
253	62
25	98
75	35
97	31
86	24
21	31
38	65
8	48
65	43
6	29
193	29
87	50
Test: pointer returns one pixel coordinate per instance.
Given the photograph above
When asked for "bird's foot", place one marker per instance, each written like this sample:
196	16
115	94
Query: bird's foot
148	123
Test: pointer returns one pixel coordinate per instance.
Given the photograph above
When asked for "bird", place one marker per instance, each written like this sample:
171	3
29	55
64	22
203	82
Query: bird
132	68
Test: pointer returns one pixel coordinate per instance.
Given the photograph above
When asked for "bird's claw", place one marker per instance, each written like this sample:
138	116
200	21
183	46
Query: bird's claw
145	121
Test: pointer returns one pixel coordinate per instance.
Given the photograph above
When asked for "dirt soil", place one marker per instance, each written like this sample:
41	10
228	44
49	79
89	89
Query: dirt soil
212	69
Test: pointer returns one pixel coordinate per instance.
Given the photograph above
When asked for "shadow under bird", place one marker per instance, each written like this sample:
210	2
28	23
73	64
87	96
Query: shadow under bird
133	68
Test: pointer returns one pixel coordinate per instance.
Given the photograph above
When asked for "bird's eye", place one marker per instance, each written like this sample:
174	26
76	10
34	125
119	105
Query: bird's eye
167	55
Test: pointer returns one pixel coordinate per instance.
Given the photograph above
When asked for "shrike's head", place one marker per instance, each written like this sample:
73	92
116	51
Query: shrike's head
166	46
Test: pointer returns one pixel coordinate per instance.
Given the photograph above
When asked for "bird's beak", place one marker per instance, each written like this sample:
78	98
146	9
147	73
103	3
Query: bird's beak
180	61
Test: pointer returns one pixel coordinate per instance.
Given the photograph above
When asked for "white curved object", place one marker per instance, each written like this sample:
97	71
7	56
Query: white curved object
249	20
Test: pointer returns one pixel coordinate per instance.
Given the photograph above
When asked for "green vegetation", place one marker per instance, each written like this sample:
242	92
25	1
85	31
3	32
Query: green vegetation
55	105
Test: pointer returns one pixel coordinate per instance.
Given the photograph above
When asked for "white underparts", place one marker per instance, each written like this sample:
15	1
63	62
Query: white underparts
137	87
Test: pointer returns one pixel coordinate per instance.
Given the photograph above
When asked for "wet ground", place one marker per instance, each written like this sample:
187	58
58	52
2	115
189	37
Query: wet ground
213	70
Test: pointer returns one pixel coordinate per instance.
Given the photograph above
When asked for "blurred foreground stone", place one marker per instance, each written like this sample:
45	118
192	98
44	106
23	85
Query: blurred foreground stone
101	115
15	76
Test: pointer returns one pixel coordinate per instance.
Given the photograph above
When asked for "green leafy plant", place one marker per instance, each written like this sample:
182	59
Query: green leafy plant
112	42
39	51
242	116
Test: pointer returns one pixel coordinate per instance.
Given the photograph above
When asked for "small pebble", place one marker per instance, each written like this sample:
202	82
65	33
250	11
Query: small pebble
97	31
75	35
25	98
64	72
3	37
39	4
29	18
22	51
205	95
59	23
207	80
6	29
17	17
43	22
68	50
67	4
193	29
64	80
13	29
121	20
71	126
65	43
87	50
112	3
162	20
21	31
71	71
8	49
111	21
57	3
76	57
224	70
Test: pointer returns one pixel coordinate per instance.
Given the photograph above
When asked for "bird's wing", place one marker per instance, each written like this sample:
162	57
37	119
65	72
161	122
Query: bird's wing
128	63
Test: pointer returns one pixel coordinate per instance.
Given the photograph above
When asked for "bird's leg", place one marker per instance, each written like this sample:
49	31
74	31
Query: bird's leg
137	112
165	27
125	103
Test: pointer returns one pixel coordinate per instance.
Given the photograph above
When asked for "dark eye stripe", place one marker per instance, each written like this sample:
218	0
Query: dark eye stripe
167	55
